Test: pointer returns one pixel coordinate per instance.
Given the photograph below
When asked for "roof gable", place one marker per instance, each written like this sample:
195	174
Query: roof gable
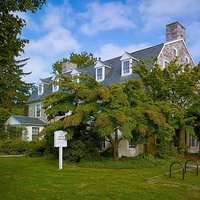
23	120
100	64
127	56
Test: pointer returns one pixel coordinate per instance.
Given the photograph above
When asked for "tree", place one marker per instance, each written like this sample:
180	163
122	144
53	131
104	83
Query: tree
176	84
82	60
113	112
14	91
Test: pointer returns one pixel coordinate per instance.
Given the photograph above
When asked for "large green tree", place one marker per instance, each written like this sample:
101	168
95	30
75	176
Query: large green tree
113	112
178	85
14	91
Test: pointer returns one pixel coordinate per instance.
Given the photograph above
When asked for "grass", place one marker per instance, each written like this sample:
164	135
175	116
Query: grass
40	179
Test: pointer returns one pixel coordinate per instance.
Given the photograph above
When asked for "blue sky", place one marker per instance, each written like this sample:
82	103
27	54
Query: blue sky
106	28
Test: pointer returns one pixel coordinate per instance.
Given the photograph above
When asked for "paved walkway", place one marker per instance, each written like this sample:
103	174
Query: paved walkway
7	156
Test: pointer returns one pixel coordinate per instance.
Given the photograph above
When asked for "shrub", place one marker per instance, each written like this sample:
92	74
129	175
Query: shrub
14	146
18	146
78	150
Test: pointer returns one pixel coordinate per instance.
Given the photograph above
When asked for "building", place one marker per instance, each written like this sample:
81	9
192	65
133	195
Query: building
117	70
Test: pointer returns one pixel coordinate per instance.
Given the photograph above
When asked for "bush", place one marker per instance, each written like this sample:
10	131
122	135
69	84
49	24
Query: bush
18	146
78	150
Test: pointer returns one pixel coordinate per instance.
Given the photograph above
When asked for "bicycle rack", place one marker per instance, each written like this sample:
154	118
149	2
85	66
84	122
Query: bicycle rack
195	163
183	168
170	175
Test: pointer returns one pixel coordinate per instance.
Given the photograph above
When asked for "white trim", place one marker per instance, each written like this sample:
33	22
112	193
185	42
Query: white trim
175	51
193	141
164	63
38	110
103	74
187	59
122	67
40	91
170	42
55	87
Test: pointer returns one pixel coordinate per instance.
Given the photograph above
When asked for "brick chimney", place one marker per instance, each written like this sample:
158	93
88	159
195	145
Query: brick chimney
68	66
174	31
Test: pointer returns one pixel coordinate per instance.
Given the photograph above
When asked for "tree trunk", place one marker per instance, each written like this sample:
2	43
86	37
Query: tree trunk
115	152
115	144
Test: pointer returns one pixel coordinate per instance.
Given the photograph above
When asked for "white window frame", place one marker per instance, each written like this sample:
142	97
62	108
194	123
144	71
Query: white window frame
55	87
165	63
124	68
193	141
100	78
40	89
35	132
175	51
187	59
76	80
38	110
131	145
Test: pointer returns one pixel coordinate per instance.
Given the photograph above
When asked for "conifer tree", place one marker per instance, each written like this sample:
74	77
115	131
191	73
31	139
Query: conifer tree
13	90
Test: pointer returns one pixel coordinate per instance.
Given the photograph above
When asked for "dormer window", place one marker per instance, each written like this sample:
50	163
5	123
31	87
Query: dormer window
102	70
126	62
40	89
55	87
75	79
126	67
99	74
75	73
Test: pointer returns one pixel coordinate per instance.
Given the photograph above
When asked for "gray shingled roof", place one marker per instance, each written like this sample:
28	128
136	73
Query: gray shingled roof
29	120
113	75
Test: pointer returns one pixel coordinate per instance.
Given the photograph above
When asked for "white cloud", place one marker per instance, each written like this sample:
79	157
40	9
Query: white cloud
53	40
39	67
156	12
106	16
110	50
53	43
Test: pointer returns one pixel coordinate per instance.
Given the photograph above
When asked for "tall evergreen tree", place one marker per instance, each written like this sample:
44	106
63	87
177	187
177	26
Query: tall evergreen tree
13	90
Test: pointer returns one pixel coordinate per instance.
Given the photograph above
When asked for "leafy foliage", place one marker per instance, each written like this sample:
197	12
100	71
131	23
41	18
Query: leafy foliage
118	109
177	87
82	60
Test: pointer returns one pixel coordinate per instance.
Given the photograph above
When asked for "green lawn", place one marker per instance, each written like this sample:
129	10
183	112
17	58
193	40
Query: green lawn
39	178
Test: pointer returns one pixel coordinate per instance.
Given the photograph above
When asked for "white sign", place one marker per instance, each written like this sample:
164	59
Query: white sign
60	139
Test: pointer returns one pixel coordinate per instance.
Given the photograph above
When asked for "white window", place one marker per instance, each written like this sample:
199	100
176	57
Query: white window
126	67
193	141
99	74
131	144
40	89
175	51
165	63
76	80
187	60
55	87
35	131
38	110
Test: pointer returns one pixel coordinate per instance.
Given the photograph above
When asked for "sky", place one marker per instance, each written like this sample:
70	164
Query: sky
105	28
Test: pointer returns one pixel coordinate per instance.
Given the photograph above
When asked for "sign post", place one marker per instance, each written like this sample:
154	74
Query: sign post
60	141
